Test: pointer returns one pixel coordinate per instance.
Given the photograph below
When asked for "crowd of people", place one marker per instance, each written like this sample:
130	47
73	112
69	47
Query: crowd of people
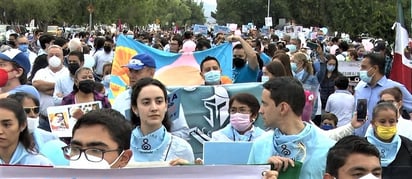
52	71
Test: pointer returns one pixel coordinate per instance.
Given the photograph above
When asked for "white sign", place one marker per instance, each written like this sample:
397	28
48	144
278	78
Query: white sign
349	69
190	171
61	117
268	21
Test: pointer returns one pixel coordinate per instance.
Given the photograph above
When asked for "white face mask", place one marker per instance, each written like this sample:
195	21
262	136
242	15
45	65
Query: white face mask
32	123
83	163
106	80
369	176
55	61
265	78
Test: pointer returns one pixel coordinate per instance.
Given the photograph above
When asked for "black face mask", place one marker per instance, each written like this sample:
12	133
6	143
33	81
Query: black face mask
86	86
107	49
238	62
73	67
11	43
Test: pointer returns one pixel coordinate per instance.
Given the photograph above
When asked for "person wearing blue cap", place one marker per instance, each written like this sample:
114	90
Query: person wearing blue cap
141	66
14	66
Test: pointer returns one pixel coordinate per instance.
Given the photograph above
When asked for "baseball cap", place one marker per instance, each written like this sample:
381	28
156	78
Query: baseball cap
379	45
17	56
140	61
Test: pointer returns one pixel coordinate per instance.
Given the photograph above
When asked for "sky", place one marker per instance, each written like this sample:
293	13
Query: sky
208	6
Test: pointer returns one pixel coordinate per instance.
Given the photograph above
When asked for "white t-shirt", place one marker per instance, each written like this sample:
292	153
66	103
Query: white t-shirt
101	58
64	85
46	74
342	104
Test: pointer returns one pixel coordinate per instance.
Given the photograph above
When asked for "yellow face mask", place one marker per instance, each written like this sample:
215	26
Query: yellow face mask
386	133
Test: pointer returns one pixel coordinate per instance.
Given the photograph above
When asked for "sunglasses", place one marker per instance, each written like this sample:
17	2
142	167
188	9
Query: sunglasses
35	109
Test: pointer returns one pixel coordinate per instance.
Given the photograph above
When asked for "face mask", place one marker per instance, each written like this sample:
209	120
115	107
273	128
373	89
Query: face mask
107	49
326	127
130	36
23	47
83	163
320	38
369	176
363	75
238	62
330	67
73	67
4	77
11	43
38	43
265	79
106	80
212	77
293	66
240	121
86	86
291	47
55	61
385	133
32	124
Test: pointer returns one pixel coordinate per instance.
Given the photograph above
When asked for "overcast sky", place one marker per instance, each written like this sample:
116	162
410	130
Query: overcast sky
208	6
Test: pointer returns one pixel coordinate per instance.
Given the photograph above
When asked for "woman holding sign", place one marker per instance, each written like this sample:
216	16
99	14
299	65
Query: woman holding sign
83	90
16	145
244	110
151	139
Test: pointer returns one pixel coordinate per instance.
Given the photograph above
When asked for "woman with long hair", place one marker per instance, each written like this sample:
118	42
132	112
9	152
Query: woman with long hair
16	144
151	138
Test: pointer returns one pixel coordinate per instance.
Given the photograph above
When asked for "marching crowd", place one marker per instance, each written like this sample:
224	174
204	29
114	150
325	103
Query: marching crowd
328	138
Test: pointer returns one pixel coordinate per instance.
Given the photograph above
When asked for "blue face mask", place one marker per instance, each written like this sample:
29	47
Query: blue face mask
321	38
212	77
130	36
326	127
363	75
291	47
23	47
293	66
265	78
330	67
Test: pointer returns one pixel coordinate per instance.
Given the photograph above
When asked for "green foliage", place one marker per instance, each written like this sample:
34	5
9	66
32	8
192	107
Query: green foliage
375	17
133	12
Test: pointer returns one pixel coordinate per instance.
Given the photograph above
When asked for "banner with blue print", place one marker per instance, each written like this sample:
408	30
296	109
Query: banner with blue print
172	69
206	109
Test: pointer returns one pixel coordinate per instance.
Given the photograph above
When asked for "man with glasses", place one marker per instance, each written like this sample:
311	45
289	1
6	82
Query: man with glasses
100	139
14	66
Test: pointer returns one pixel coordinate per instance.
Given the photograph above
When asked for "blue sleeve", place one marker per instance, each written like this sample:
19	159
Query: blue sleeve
320	74
407	99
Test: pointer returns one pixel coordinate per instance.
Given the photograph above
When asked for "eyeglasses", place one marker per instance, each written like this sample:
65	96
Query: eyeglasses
386	101
91	154
35	109
239	110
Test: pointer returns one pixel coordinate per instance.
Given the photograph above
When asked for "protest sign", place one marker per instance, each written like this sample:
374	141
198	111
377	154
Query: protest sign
230	153
61	117
200	29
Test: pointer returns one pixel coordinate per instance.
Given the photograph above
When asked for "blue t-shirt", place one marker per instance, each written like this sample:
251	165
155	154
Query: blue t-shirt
245	74
265	58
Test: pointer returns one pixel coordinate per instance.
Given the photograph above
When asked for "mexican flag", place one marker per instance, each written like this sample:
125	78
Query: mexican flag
402	61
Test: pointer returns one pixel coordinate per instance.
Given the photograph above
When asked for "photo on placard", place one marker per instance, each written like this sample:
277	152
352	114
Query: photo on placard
59	121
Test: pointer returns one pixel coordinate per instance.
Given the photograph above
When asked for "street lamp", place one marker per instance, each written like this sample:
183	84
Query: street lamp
90	8
268	8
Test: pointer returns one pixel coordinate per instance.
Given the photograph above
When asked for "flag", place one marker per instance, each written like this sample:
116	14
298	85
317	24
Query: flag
172	69
402	66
